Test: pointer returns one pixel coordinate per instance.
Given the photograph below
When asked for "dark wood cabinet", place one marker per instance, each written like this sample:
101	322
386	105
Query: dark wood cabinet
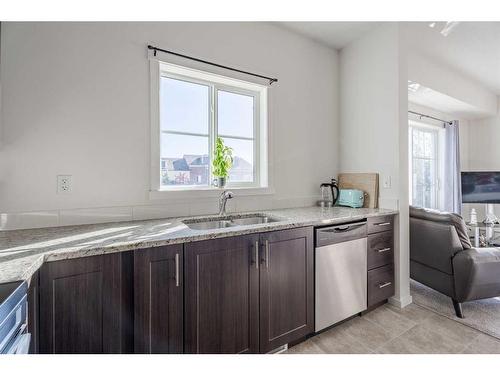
243	294
249	294
85	305
380	284
222	296
380	249
286	287
159	300
33	316
380	259
378	224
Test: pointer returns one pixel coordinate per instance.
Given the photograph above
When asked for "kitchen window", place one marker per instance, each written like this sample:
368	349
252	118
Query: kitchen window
190	109
425	145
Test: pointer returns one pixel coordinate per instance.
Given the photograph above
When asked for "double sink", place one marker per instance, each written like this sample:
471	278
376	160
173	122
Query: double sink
229	221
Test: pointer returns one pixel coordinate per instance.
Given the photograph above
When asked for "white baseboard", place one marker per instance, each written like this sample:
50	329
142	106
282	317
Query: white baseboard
402	302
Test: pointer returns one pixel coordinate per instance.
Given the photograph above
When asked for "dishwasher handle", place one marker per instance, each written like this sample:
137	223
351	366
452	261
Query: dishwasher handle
345	228
340	233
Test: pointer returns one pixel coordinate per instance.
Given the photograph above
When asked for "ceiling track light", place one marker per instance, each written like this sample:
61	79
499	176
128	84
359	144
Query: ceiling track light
448	28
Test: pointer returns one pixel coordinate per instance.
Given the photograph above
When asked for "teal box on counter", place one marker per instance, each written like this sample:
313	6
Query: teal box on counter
351	198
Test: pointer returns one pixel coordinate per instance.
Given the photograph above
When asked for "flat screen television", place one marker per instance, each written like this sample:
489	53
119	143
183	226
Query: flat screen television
481	187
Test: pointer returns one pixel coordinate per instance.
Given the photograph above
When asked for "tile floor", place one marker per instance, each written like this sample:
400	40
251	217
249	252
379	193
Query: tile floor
390	330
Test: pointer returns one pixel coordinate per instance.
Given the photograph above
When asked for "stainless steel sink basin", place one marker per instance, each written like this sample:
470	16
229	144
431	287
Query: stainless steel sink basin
208	224
252	220
228	221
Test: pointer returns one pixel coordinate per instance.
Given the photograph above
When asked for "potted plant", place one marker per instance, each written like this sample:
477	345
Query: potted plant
222	162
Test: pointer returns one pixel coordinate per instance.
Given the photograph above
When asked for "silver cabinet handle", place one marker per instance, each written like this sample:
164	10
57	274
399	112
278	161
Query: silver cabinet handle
267	254
383	224
177	269
384	250
257	254
383	285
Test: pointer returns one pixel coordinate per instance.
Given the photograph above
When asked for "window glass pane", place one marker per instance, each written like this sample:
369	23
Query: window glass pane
424	167
184	160
242	170
184	106
418	144
235	114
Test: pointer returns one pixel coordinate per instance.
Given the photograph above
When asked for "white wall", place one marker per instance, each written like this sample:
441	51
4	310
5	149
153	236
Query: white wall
374	127
484	155
484	150
445	80
369	108
1	127
75	100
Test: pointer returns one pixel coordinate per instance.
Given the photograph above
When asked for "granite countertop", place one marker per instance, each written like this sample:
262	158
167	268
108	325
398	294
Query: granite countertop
22	252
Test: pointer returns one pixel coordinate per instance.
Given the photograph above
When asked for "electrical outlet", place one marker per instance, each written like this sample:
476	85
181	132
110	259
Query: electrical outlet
387	182
63	184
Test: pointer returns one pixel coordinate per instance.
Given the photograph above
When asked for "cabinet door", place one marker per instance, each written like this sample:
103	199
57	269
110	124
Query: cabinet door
85	305
380	249
286	287
158	287
222	297
380	284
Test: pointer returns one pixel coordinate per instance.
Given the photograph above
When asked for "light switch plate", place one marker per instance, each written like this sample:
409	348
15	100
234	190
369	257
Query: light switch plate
63	184
387	182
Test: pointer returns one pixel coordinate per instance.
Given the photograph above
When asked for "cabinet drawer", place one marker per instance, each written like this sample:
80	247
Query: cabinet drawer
380	249
380	284
380	223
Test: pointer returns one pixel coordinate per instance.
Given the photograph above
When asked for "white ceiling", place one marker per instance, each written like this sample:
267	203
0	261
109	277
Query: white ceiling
472	49
443	103
334	34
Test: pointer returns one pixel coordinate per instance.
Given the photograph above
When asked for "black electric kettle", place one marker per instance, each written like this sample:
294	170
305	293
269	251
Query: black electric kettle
329	193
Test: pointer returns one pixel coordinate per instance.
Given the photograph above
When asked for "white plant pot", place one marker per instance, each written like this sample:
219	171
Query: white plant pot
220	182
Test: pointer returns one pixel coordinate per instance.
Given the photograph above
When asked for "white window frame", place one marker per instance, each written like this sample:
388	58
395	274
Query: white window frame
438	176
261	183
256	132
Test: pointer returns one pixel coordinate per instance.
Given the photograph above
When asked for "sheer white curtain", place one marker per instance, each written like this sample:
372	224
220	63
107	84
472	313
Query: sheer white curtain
452	185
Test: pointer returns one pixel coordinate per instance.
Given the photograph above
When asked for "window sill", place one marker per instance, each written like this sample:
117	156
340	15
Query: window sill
209	192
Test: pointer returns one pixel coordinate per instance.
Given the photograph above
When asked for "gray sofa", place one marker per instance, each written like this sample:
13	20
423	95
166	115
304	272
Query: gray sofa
442	257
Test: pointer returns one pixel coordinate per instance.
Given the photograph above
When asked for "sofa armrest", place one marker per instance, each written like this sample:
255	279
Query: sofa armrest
434	244
477	273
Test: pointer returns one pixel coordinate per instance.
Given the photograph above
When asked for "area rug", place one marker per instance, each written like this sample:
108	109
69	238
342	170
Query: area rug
483	315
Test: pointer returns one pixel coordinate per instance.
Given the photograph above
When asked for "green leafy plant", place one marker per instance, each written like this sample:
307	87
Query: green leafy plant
223	159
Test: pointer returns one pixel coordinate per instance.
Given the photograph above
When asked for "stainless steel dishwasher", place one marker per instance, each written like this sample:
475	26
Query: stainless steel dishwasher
341	273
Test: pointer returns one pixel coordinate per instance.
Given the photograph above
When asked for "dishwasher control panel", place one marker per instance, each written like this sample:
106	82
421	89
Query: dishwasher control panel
340	233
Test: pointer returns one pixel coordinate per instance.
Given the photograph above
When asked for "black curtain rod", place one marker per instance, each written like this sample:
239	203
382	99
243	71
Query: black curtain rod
155	49
434	118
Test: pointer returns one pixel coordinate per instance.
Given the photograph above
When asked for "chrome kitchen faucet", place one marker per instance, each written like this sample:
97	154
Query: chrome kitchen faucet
226	194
